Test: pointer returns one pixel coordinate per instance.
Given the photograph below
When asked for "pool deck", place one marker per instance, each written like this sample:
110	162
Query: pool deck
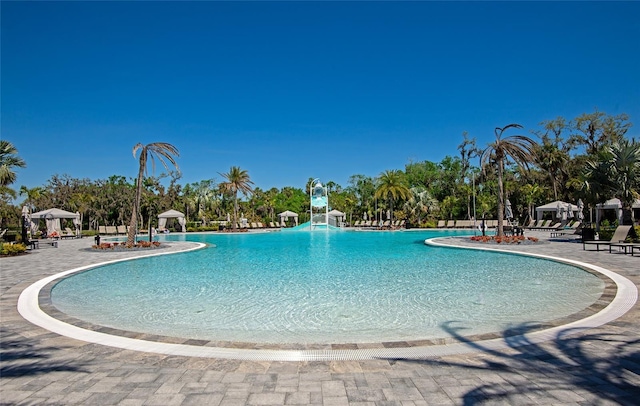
597	366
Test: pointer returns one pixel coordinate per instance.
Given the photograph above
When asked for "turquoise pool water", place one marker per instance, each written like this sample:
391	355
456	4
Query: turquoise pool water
324	287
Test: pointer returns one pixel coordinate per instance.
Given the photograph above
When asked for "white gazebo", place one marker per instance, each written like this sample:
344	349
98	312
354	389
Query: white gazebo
553	207
162	219
616	205
52	218
336	217
285	215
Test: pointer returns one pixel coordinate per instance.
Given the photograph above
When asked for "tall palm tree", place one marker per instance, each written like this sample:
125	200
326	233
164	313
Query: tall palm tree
392	185
9	160
517	147
158	150
237	180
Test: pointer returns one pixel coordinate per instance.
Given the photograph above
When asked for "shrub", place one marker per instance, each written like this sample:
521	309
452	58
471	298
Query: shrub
12	249
429	224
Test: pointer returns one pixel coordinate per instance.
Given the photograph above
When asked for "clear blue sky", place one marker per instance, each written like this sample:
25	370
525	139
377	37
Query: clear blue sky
294	90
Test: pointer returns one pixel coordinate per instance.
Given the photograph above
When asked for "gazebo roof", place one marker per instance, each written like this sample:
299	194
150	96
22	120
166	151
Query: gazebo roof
171	214
287	213
55	213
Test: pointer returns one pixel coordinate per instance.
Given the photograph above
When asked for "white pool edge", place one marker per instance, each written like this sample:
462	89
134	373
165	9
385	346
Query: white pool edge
625	299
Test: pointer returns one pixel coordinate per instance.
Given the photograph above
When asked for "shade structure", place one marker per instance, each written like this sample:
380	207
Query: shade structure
335	217
508	211
52	217
336	213
287	214
580	215
162	219
616	205
554	207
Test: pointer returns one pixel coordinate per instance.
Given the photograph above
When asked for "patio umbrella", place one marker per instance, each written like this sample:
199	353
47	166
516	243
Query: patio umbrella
580	208
76	222
570	211
25	220
559	211
508	213
364	216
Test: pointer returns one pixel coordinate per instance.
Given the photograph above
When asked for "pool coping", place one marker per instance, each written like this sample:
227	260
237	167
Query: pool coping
619	296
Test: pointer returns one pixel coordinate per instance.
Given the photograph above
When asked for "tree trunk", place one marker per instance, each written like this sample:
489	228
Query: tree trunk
133	224
500	198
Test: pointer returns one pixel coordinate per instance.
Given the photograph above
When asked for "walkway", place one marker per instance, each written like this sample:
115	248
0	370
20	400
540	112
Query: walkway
598	366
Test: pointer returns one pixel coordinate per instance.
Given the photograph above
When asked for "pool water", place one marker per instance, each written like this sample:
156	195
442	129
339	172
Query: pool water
324	287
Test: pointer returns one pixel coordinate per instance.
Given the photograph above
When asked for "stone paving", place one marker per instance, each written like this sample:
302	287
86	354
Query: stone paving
598	366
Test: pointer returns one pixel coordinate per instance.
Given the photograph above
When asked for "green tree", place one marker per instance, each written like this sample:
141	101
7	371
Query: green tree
9	160
617	173
237	180
161	151
392	185
596	130
420	204
552	154
517	147
31	195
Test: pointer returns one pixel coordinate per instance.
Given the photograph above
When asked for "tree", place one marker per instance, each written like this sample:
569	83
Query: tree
517	147
158	150
9	160
420	203
31	194
237	180
552	155
392	185
596	130
617	173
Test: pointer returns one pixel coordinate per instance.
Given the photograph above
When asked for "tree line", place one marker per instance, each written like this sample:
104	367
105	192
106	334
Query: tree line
589	157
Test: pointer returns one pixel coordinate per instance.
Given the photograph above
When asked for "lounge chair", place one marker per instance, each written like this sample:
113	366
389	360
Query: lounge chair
618	237
123	229
441	223
111	230
451	223
67	233
573	229
626	246
102	229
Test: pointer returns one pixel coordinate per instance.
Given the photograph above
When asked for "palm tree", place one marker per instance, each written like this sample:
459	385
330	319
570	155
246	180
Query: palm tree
517	147
237	180
9	160
31	194
617	173
392	185
163	152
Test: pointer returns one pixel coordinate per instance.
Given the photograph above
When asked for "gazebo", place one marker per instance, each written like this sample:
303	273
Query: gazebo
616	205
336	217
52	218
162	219
285	215
553	207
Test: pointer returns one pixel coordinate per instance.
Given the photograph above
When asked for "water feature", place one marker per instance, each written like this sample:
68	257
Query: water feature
324	287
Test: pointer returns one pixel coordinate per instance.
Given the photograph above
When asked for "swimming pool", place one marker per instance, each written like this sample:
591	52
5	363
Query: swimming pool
324	287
